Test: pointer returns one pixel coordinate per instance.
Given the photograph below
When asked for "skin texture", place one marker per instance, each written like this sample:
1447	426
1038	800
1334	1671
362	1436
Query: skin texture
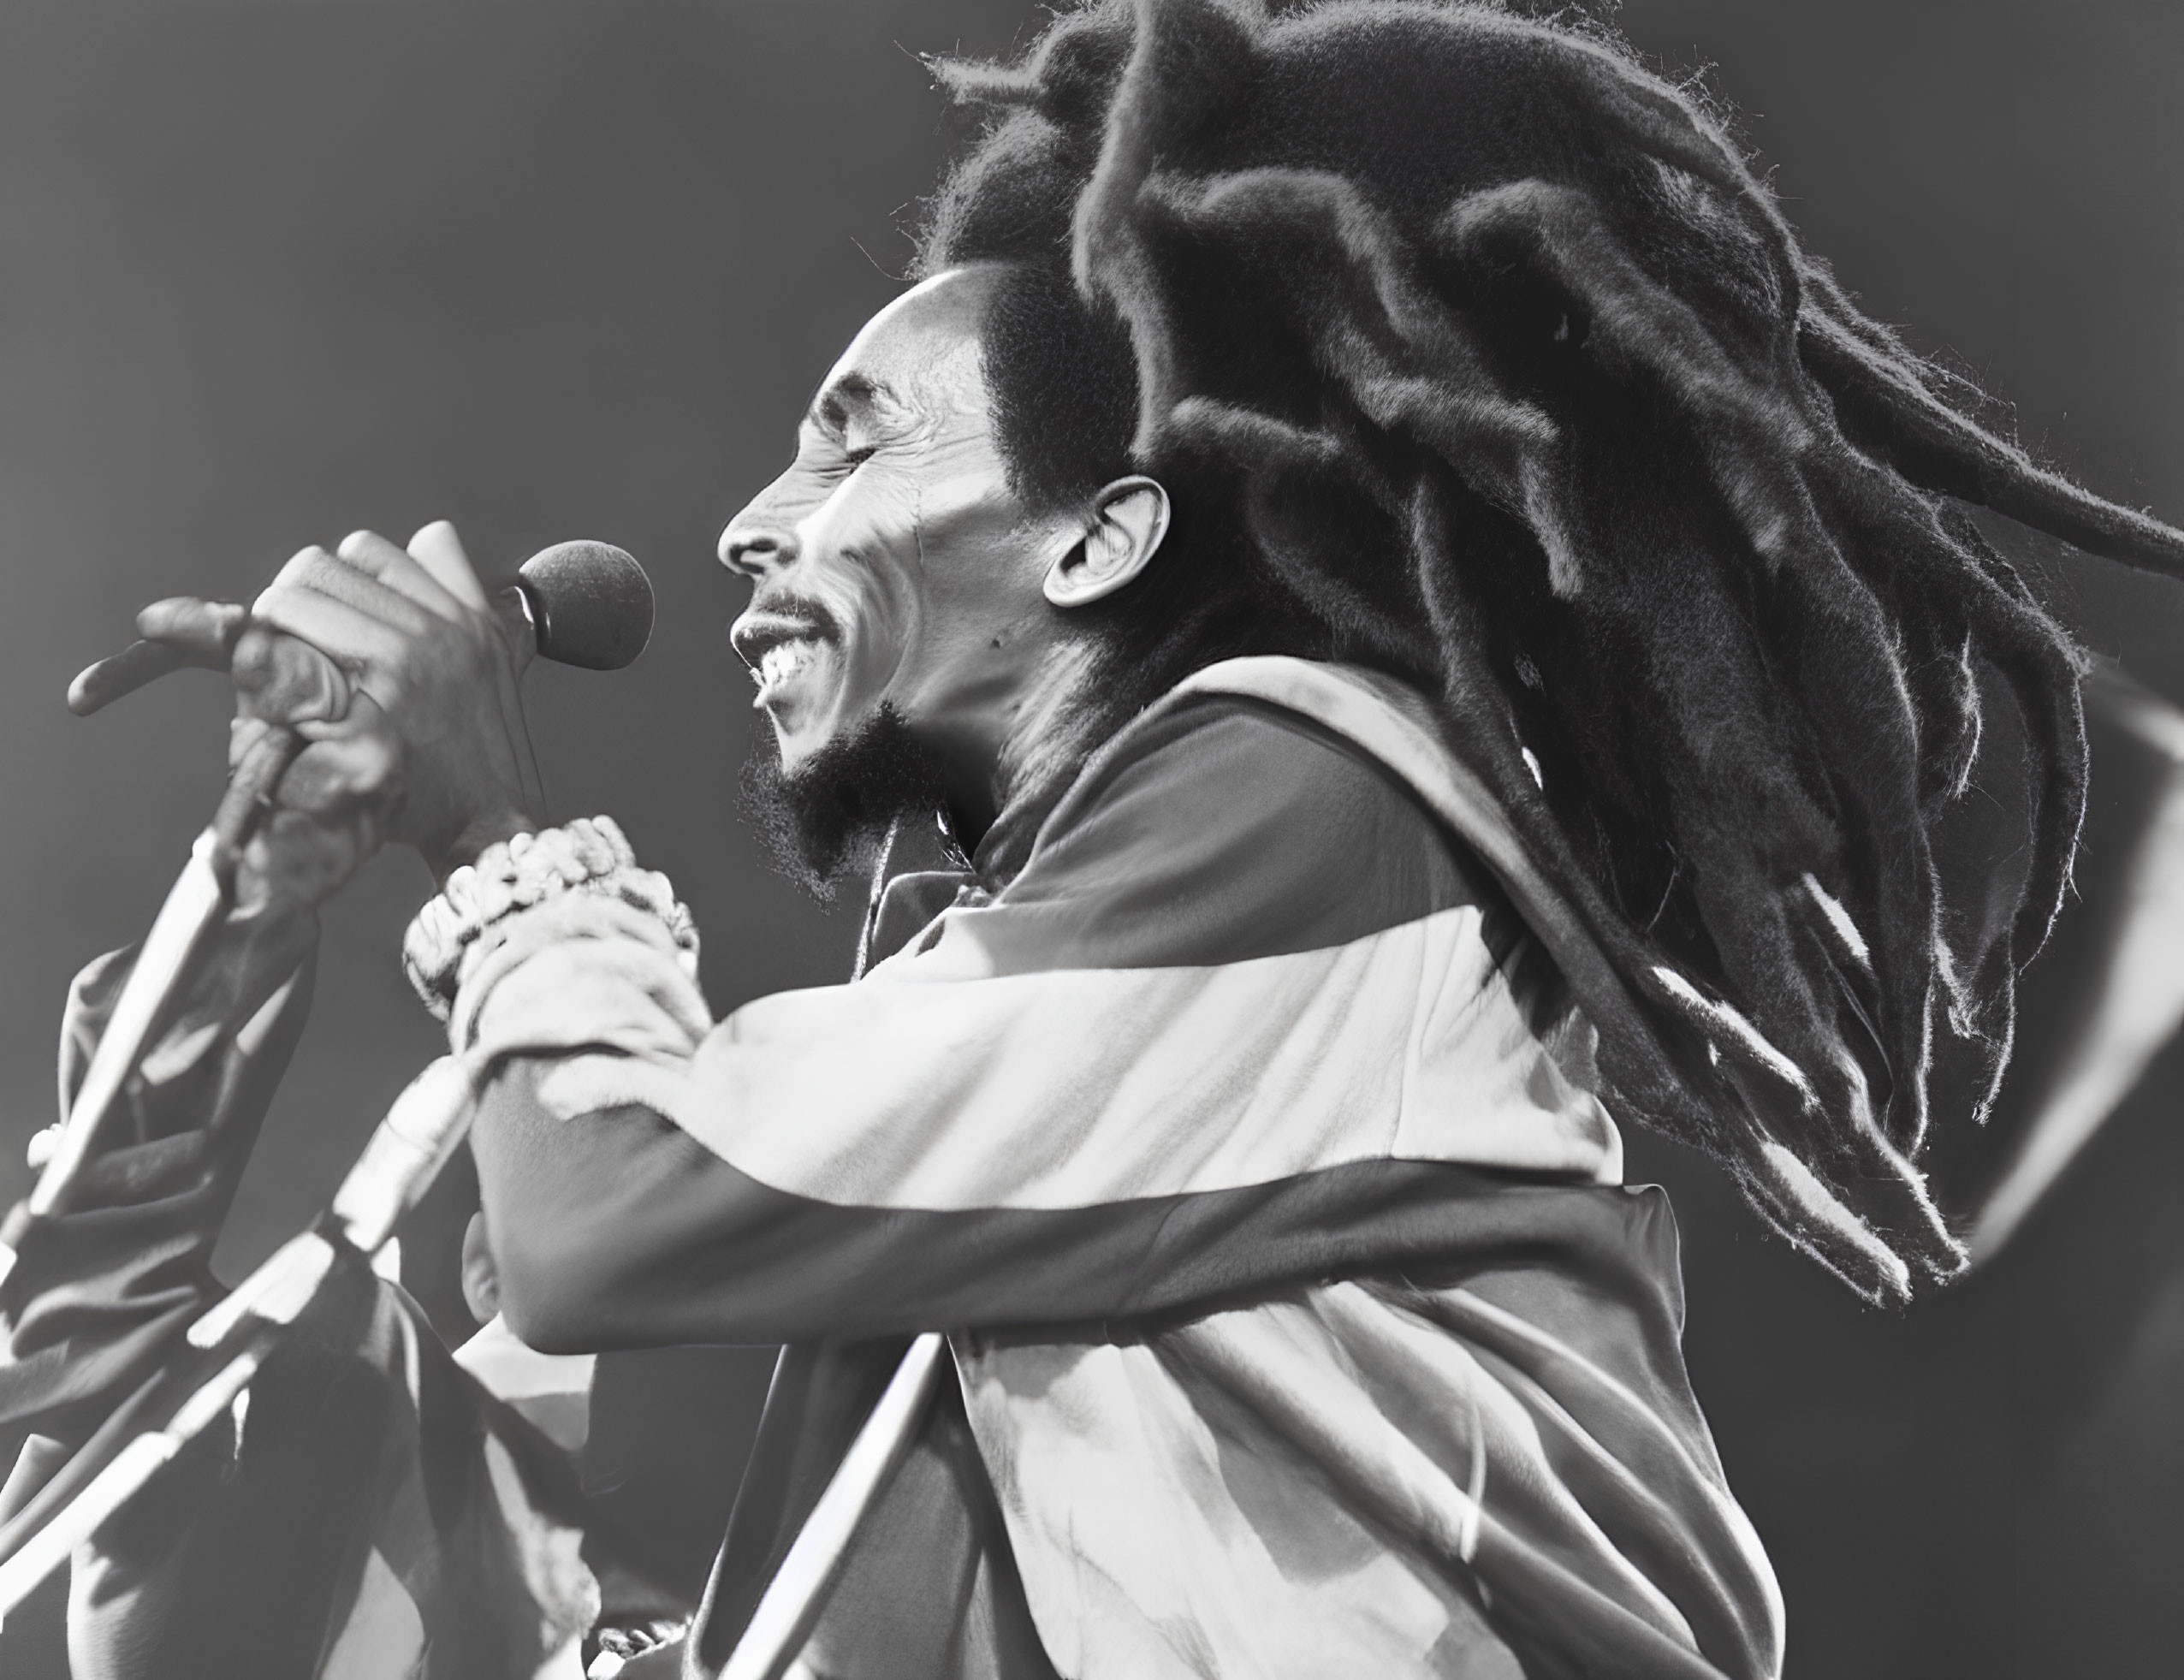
401	678
434	717
892	562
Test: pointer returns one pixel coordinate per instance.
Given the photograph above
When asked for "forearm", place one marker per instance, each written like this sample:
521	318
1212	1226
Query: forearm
225	1039
617	1229
97	1291
953	1141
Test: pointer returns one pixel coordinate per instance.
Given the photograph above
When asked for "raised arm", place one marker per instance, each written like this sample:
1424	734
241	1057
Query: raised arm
1084	1098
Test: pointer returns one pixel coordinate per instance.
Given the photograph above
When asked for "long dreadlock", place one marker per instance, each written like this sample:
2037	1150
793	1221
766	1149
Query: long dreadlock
1472	350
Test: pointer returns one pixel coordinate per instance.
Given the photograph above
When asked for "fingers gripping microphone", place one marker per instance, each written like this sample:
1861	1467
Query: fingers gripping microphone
590	605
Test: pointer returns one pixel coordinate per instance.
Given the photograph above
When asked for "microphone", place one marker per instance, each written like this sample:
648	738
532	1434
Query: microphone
590	604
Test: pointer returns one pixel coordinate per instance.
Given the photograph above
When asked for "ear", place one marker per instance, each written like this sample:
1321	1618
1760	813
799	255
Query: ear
1129	517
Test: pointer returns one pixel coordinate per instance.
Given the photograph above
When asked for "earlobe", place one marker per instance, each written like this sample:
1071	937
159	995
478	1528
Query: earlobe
1129	521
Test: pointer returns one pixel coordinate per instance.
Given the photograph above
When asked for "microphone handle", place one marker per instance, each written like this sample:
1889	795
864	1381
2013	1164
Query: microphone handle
201	896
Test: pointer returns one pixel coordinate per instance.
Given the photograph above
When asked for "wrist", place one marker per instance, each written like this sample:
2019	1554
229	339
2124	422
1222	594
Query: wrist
471	920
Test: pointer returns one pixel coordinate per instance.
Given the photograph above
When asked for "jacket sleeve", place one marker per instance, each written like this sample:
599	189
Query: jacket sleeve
99	1292
1188	1050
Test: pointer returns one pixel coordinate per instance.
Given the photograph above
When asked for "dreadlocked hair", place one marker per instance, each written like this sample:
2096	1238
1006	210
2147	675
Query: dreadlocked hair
1473	352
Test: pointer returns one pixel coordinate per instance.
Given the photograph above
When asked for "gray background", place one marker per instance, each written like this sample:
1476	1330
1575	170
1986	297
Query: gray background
269	272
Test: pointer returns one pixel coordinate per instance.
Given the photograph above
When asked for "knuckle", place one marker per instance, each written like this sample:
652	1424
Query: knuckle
252	662
274	601
363	547
300	566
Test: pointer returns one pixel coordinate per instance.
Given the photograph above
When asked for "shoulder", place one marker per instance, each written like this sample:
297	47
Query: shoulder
1221	828
1223	767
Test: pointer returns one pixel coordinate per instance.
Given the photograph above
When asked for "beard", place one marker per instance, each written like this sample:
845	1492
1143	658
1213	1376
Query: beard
824	822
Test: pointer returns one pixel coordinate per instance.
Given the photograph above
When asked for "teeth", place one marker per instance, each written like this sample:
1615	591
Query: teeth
782	662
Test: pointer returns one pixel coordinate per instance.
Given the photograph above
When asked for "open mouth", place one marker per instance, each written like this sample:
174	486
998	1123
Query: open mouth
783	662
781	643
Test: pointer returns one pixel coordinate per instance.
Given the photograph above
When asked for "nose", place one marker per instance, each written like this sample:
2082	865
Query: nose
757	543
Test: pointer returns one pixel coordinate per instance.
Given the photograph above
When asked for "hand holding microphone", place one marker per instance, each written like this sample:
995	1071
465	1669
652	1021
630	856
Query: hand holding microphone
390	679
377	699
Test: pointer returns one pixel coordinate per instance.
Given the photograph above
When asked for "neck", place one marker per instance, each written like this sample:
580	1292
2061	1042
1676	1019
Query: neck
1033	737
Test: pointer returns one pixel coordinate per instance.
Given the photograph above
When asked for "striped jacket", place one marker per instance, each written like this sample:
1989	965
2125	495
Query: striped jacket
1239	1135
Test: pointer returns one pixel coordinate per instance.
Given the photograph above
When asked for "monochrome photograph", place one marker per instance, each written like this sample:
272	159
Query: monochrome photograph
1115	839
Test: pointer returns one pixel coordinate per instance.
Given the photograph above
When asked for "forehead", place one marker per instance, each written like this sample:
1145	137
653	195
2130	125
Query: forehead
917	356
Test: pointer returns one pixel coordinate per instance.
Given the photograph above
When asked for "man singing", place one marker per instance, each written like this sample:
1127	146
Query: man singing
1372	618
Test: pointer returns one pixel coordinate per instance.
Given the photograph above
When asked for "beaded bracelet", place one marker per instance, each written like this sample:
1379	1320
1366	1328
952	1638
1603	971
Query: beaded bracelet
589	855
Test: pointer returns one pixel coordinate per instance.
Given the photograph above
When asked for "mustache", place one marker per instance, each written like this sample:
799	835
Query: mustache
790	604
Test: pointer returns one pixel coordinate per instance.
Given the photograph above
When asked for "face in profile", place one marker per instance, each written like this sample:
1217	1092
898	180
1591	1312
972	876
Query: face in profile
909	614
892	564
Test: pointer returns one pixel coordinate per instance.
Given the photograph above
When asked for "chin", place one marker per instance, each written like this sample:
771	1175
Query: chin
799	736
814	710
823	803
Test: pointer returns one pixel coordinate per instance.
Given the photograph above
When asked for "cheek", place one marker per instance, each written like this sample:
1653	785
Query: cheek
983	598
862	562
925	563
977	553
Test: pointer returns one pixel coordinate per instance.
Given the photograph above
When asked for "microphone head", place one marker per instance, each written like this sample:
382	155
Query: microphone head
592	603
